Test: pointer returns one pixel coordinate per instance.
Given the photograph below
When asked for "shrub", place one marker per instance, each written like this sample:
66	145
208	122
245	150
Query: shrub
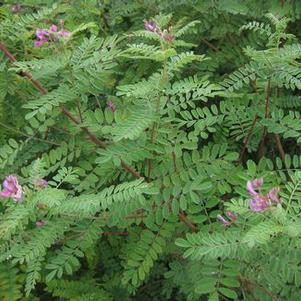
150	150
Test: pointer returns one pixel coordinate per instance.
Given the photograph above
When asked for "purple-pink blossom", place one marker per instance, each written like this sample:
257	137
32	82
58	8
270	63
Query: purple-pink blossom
151	26
38	44
64	33
41	223
15	8
12	189
257	183
53	28
223	220
49	35
273	195
154	27
42	34
111	106
254	185
42	37
232	216
260	202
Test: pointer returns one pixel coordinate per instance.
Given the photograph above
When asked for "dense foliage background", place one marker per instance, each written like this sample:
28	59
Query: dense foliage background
150	150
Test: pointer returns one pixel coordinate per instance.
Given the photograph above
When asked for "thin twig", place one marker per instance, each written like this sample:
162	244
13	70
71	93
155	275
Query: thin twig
44	91
266	115
36	83
26	135
79	111
245	281
99	142
246	140
210	45
61	130
280	147
174	161
46	133
183	218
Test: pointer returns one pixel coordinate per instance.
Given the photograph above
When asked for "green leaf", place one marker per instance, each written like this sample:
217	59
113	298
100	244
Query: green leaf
228	292
213	297
251	167
230	282
180	242
205	286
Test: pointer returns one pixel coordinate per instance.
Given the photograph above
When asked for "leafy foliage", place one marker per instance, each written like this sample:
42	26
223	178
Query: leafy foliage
133	135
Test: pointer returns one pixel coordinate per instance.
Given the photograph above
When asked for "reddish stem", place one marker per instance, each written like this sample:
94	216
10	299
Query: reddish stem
280	147
183	218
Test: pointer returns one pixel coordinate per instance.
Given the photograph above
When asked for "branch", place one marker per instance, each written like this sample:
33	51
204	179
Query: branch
280	147
12	59
250	285
266	115
183	218
28	136
91	136
210	45
246	140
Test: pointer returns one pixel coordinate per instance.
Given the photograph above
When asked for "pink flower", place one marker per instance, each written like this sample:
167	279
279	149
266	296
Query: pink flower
64	34
257	183
259	203
252	185
42	37
15	8
250	188
223	220
273	195
40	183
41	223
12	189
111	106
40	43
232	216
53	28
42	34
151	26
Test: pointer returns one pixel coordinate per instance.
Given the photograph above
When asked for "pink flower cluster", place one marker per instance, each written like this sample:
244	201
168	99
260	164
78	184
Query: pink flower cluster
154	27
232	216
12	189
260	202
47	35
